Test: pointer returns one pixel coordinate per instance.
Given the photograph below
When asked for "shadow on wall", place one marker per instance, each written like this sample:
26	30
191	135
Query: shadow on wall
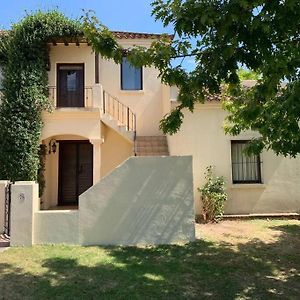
147	200
256	270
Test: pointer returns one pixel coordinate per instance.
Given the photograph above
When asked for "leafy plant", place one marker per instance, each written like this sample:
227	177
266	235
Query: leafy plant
41	171
24	59
213	196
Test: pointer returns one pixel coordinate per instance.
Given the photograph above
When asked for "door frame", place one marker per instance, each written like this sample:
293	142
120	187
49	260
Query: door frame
58	82
59	184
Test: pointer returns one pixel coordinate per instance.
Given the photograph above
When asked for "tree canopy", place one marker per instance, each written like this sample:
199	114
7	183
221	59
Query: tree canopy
261	36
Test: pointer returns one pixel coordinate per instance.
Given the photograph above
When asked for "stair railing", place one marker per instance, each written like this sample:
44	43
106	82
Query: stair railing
119	111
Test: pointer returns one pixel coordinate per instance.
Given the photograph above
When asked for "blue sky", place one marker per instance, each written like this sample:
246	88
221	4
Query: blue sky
123	15
127	15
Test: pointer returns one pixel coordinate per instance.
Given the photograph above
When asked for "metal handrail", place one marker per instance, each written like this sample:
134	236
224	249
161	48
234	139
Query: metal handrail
119	111
88	95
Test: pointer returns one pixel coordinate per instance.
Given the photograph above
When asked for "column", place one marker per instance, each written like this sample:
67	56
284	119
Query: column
96	159
24	203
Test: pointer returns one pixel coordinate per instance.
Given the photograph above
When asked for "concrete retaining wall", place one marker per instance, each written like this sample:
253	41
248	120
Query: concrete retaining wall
147	200
56	227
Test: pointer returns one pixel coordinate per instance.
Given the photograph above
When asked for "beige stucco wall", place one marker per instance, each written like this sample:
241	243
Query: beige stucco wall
202	136
72	121
114	150
146	200
147	104
111	147
72	54
56	227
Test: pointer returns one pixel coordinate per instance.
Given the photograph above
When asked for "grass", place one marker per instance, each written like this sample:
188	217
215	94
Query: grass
233	260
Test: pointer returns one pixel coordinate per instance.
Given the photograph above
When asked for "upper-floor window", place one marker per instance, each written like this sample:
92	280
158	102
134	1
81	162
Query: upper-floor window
131	77
70	85
245	168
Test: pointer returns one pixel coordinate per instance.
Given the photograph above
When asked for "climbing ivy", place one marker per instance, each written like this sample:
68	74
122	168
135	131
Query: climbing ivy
24	57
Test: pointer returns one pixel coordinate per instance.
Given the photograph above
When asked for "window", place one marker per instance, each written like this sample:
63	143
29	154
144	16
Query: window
131	77
245	169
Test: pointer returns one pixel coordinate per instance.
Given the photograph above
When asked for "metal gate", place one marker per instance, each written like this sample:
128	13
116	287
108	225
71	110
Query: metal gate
7	205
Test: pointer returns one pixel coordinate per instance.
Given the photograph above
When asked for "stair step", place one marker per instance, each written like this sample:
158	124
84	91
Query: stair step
152	154
152	148
151	138
152	144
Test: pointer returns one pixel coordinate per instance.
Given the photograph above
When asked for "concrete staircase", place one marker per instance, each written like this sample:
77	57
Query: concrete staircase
118	116
118	127
151	146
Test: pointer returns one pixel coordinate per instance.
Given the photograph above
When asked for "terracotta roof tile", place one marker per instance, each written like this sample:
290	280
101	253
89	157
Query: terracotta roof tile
125	35
139	35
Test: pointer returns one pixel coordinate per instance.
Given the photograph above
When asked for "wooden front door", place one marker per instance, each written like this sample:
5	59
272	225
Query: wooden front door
70	85
75	170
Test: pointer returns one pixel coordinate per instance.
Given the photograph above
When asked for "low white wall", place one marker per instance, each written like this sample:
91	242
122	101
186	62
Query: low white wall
56	227
3	184
146	200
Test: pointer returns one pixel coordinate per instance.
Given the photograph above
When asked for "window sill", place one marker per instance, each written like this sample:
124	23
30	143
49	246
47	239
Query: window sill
132	92
248	186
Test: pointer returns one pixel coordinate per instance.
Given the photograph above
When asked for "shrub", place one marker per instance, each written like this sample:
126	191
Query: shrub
213	196
24	57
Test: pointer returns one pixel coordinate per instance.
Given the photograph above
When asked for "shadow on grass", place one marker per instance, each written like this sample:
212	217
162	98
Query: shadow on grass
202	269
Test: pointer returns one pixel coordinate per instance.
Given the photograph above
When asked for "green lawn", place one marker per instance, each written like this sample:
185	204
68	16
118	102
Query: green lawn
233	260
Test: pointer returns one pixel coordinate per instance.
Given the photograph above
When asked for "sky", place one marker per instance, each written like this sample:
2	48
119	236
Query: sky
123	15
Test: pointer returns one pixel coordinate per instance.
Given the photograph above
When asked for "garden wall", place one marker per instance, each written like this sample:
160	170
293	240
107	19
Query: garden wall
146	200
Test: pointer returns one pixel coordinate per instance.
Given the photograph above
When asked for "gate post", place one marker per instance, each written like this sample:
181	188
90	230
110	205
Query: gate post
3	185
24	204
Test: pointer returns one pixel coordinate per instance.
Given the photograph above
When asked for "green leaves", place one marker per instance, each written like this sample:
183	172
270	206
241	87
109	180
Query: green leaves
263	37
213	196
24	56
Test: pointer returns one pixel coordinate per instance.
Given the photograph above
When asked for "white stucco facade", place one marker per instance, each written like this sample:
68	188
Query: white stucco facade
203	137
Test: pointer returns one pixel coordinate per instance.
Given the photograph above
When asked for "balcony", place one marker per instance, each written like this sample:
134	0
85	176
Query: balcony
69	100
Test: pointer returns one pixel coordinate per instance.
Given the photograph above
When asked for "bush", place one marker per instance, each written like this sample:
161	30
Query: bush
213	196
24	58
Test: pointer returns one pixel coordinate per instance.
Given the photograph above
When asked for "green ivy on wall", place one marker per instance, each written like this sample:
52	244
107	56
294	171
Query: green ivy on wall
24	57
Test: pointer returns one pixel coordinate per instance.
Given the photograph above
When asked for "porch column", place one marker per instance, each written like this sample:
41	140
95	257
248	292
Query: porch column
96	159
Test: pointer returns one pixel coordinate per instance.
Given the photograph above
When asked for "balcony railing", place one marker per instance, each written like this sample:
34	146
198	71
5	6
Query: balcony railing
88	96
119	111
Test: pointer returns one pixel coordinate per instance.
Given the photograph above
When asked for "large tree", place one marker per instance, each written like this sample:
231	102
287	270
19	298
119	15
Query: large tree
223	36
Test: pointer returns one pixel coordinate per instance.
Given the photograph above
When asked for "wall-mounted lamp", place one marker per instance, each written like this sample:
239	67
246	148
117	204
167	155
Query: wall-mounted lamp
52	146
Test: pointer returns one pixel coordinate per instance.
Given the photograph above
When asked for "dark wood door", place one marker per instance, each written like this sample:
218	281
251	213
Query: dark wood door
70	85
75	170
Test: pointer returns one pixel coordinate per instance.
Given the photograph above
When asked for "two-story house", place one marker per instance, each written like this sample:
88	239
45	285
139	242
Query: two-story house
105	113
